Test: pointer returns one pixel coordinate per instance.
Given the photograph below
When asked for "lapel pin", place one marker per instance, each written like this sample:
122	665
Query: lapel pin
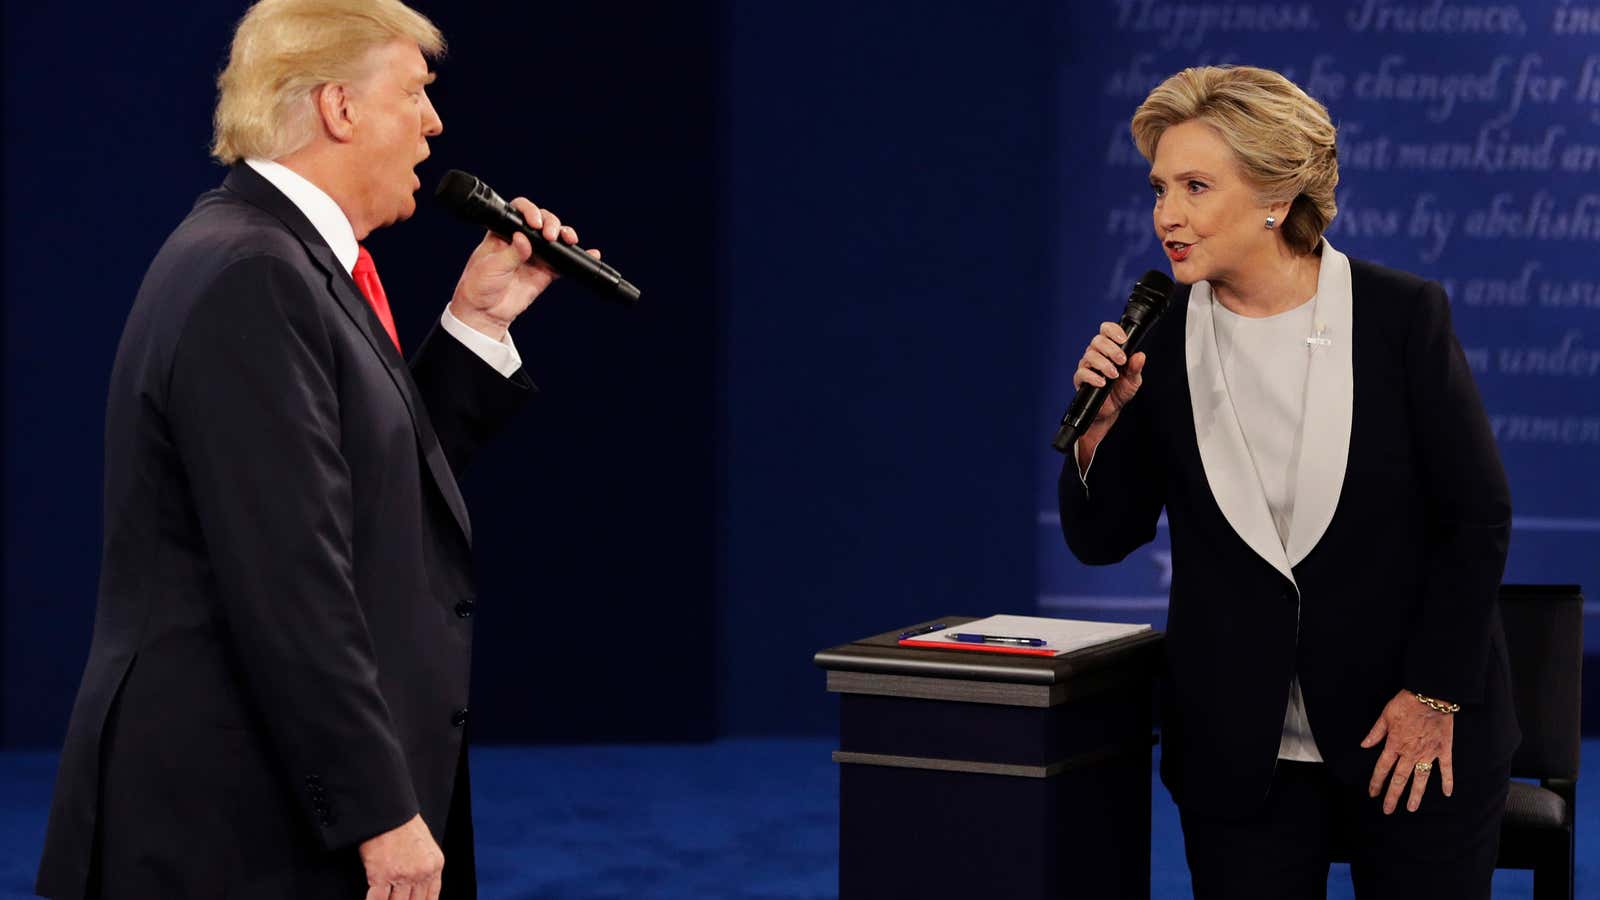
1317	340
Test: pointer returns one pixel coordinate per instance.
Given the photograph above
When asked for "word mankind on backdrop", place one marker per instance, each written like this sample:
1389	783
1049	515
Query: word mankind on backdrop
1492	150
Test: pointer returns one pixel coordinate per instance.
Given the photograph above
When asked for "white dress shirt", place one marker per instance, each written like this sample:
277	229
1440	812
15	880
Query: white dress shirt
334	228
1264	365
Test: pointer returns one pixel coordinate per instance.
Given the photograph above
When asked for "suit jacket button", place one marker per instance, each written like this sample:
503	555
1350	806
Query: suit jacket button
464	609
459	718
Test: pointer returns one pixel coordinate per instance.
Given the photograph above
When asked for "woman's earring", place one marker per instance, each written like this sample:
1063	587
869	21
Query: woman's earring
1271	222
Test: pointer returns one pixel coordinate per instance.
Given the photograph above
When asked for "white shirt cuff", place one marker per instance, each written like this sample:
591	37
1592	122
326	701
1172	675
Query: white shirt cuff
1083	471
500	355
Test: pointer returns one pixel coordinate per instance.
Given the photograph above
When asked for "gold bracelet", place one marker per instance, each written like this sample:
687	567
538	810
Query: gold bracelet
1437	705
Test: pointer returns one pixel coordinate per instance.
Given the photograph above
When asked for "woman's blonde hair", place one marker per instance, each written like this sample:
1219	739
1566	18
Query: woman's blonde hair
283	50
1284	140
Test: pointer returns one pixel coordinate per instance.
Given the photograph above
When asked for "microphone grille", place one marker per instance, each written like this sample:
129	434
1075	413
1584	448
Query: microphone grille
455	190
1153	288
1154	279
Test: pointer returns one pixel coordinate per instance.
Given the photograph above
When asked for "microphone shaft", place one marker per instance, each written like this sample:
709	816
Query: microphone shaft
570	259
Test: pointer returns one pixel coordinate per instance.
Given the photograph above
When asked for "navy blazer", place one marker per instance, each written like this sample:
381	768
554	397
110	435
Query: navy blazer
281	648
1389	577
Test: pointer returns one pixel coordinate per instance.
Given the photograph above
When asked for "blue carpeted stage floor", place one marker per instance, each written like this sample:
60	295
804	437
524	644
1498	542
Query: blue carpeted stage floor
731	819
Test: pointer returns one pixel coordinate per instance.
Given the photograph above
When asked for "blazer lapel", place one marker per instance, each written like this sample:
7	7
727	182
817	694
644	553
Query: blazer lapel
1330	401
1223	452
260	192
360	311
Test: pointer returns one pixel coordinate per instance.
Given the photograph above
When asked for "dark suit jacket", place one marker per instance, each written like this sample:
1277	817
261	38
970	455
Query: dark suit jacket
280	657
1398	591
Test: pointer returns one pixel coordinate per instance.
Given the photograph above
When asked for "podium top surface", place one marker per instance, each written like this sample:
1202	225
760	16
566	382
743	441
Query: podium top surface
882	654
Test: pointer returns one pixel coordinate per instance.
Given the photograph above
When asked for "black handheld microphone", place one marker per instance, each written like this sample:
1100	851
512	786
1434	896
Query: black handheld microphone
1145	305
475	202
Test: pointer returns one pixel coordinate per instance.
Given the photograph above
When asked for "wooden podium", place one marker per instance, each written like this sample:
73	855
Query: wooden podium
965	774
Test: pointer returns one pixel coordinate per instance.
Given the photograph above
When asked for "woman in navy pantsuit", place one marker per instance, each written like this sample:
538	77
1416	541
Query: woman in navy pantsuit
1337	673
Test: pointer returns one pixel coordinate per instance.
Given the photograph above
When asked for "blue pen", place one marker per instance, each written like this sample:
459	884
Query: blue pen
967	637
926	629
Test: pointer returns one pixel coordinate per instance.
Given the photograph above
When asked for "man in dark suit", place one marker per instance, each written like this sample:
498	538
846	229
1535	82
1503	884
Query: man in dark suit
276	694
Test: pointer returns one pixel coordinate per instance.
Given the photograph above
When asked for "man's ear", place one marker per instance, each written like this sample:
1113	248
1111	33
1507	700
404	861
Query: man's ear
334	109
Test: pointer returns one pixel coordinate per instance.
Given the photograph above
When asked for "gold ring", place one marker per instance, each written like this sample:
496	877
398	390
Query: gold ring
1424	767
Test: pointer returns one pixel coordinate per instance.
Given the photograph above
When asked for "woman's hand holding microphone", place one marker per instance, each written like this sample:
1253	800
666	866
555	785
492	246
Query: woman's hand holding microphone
1098	368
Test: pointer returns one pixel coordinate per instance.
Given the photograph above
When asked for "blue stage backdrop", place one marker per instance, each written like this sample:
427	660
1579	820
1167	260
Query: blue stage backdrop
1469	149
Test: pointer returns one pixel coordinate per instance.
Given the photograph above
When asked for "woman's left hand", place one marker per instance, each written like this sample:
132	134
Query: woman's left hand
1412	733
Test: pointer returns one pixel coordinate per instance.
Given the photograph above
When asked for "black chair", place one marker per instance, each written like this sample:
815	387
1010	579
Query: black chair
1544	637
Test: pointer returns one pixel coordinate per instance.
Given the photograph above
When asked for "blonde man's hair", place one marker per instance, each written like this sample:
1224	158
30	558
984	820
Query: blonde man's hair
283	50
1283	139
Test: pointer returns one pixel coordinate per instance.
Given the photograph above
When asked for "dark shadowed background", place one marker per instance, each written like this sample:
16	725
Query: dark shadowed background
818	423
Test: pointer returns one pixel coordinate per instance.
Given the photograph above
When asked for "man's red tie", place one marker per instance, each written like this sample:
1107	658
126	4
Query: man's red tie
366	278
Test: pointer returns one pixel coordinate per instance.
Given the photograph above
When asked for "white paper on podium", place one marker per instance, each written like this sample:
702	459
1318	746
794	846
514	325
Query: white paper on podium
1061	635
